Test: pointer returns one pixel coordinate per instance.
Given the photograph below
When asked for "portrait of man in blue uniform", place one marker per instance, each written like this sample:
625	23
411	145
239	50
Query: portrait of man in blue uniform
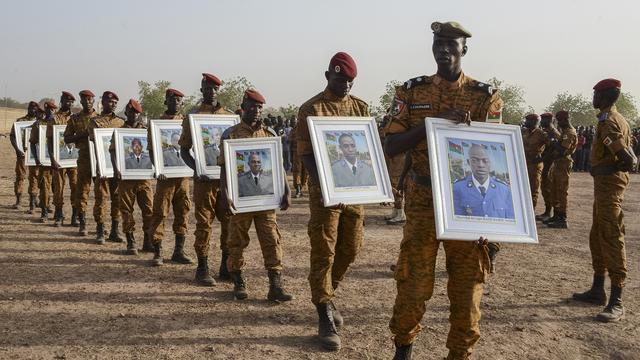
479	194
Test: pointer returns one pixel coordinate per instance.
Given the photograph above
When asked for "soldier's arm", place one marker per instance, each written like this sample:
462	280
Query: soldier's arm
36	157
112	156
54	163
14	143
612	138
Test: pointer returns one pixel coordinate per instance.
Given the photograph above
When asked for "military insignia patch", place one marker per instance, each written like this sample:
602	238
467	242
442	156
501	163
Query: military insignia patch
397	107
337	68
494	116
607	141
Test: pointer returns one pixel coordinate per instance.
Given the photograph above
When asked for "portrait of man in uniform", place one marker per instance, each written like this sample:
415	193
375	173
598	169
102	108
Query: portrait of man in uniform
350	159
67	151
211	135
136	157
171	149
480	180
254	173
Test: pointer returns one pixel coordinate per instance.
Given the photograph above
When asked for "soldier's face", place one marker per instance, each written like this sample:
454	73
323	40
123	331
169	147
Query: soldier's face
545	122
66	102
531	123
479	162
338	83
448	51
348	148
209	91
597	99
563	123
32	109
109	104
130	114
255	164
48	111
137	148
86	102
174	103
252	113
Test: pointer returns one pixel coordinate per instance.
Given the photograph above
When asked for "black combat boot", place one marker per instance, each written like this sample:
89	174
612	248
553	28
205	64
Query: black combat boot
157	255
16	206
327	328
239	285
114	234
178	252
337	317
403	352
276	292
614	310
57	217
32	203
560	222
545	215
147	246
595	295
493	254
82	228
202	272
223	272
43	214
553	218
131	244
100	233
74	217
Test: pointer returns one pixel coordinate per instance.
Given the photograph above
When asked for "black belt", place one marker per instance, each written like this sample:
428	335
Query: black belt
421	180
604	170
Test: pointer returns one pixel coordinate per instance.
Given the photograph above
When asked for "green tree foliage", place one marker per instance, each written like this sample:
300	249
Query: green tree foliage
151	97
232	91
627	106
515	107
581	111
285	111
11	103
385	100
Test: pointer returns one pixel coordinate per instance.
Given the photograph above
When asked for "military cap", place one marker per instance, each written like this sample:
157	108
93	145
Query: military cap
69	95
210	77
174	92
343	63
607	84
546	115
135	105
450	29
86	93
50	104
254	95
532	117
110	94
562	115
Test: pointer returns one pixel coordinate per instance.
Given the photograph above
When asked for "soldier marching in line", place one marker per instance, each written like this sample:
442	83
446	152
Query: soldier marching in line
21	166
546	124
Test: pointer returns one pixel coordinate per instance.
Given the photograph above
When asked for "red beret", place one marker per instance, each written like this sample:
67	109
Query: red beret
607	84
86	93
69	95
343	63
50	104
210	77
174	92
562	115
110	94
546	115
254	95
135	106
532	117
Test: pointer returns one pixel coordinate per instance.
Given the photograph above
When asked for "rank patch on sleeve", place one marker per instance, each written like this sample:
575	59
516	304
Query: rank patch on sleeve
397	106
607	141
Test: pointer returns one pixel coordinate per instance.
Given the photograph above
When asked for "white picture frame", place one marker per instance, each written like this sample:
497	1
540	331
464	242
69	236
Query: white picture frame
102	140
42	146
19	131
66	155
206	132
29	159
495	152
132	154
166	151
266	193
369	183
92	159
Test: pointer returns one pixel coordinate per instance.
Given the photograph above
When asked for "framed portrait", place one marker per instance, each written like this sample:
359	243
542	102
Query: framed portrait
132	154
350	161
92	158
166	151
20	131
43	147
480	183
65	154
206	132
102	141
29	159
254	173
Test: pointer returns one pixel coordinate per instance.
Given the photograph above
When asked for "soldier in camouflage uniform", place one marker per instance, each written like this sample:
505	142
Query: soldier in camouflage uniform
336	232
611	160
21	166
546	124
534	142
44	171
205	190
103	187
448	94
298	171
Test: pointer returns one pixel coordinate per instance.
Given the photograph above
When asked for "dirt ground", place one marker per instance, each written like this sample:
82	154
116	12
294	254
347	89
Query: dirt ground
63	297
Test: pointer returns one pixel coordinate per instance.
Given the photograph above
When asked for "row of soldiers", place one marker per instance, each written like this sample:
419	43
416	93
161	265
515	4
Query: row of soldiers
336	233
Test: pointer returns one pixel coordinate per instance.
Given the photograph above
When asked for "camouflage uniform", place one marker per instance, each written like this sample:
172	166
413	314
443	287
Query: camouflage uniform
335	235
44	172
545	183
300	175
561	170
205	193
606	240
62	118
79	123
170	193
534	142
21	166
467	264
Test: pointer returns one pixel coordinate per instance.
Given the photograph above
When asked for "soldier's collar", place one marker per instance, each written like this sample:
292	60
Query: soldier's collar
607	110
440	81
328	95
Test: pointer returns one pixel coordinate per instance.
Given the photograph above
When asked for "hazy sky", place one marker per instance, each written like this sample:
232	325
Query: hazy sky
283	47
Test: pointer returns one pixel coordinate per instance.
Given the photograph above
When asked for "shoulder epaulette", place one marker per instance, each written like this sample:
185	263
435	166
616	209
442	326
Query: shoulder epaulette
484	87
604	116
420	80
